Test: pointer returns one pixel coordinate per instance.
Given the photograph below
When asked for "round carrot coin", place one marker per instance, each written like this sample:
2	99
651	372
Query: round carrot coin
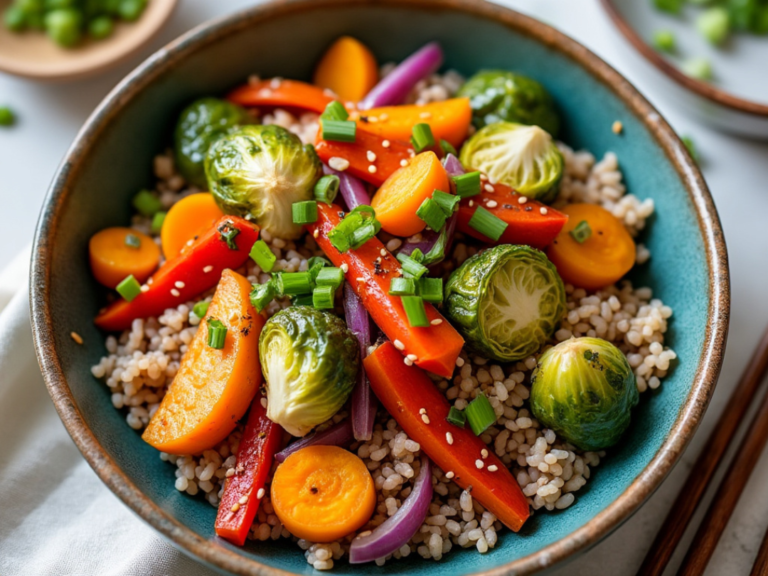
116	253
348	68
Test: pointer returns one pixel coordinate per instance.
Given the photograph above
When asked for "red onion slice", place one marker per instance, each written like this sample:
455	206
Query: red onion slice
364	402
337	435
351	188
394	87
453	165
400	528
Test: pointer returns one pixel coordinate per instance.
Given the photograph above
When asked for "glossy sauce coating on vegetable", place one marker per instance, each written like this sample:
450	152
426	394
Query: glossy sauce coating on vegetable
213	388
405	391
113	258
435	347
278	93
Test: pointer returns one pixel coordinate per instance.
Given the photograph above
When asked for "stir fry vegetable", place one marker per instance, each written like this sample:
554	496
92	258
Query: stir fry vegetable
337	435
348	69
116	253
279	93
187	220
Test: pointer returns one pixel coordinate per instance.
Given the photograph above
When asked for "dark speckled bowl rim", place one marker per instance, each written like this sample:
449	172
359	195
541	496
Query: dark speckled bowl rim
215	555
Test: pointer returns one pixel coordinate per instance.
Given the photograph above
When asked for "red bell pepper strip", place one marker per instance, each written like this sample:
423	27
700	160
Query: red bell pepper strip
198	268
370	269
356	153
405	391
261	440
527	224
282	94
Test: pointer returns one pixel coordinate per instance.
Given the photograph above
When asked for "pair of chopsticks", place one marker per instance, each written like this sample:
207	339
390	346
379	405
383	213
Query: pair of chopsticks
730	488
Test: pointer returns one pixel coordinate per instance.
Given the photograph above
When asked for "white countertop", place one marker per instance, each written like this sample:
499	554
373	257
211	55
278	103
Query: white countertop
736	170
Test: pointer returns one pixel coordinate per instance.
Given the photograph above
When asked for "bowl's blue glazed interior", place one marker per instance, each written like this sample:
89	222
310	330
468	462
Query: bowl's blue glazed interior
120	162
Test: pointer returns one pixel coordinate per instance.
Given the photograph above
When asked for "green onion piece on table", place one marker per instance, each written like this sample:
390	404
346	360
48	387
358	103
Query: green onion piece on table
698	68
333	277
217	333
339	130
422	137
487	224
411	266
263	256
480	414
7	117
431	289
714	24
415	311
322	297
432	214
456	417
664	41
304	212
200	309
581	232
129	288
147	203
402	287
327	188
467	185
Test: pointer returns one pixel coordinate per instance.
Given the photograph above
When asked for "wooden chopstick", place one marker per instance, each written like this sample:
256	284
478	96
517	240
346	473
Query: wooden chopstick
760	568
703	470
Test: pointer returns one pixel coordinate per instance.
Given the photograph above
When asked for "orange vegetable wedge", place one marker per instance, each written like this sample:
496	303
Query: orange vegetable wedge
448	119
398	199
323	493
213	388
278	93
347	68
601	259
113	260
186	221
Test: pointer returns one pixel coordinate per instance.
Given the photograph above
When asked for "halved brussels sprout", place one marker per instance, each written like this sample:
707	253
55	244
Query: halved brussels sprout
584	389
506	301
310	361
259	172
200	124
503	96
523	157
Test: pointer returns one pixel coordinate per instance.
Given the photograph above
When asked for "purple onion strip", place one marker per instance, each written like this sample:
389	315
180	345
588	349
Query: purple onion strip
363	399
337	435
393	88
352	189
400	528
453	165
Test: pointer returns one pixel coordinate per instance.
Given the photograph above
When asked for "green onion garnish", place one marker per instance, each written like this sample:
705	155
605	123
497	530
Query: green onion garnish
327	188
304	212
315	264
447	202
129	288
339	130
448	147
417	255
581	232
295	283
487	224
303	300
157	222
480	414
262	295
132	241
402	287
364	233
322	297
422	137
200	309
227	233
456	417
467	185
147	203
355	229
431	213
217	333
431	289
333	277
411	266
263	256
415	311
335	111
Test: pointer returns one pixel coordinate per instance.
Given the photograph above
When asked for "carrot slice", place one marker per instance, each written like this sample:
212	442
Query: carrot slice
347	68
186	221
448	119
323	493
282	94
213	388
114	256
400	196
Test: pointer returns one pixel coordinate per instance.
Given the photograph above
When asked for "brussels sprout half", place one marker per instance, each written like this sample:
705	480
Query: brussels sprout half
584	389
310	361
259	172
506	301
523	157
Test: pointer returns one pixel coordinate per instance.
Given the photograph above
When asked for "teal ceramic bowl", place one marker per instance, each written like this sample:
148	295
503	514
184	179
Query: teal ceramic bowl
112	158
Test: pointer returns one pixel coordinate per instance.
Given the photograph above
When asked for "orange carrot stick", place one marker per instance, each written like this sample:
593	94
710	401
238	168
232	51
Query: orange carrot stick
277	93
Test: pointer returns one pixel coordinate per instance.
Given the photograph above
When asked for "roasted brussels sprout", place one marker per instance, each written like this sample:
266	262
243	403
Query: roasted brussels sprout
584	389
506	301
310	361
523	157
200	124
259	172
502	96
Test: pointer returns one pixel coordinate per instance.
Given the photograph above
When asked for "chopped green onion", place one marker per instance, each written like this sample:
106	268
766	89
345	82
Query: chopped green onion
217	333
157	222
447	202
129	288
698	68
227	233
714	25
364	233
467	185
303	300
480	414
335	111
333	277
355	229
487	224
664	41
263	256
147	203
322	297
304	212
431	289
327	188
448	147
315	264
132	241
456	417
581	232
295	283
402	287
200	309
262	295
411	266
415	311
671	6
339	130
422	137
417	255
431	213
689	144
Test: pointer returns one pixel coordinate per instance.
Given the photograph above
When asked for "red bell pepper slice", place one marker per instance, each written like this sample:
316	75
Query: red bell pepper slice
282	94
405	391
198	268
527	224
370	269
261	440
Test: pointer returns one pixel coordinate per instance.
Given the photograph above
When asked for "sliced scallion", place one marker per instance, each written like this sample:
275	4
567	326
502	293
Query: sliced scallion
422	137
447	202
339	130
327	188
304	212
487	224
480	414
262	295
431	289
217	333
315	264
432	214
322	297
333	277
448	147
456	417
362	234
129	288
132	241
157	222
467	185
263	256
417	255
581	232
402	287
415	311
294	283
303	300
147	203
335	111
200	309
411	266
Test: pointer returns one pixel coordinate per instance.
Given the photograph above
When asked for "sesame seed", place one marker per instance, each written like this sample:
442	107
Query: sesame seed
425	115
399	345
522	200
617	127
76	337
423	411
190	242
149	282
449	474
372	169
403	163
459	361
471	203
436	322
543	210
407	362
385	144
344	267
449	438
383	252
492	468
364	534
488	188
275	83
175	292
383	117
360	279
479	464
483	177
243	500
207	269
260	493
484	453
144	288
339	164
425	418
372	119
492	204
316	233
230	473
371	156
413	357
236	507
179	284
263	402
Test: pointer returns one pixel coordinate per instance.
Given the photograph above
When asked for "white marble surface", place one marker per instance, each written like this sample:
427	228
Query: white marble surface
737	172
